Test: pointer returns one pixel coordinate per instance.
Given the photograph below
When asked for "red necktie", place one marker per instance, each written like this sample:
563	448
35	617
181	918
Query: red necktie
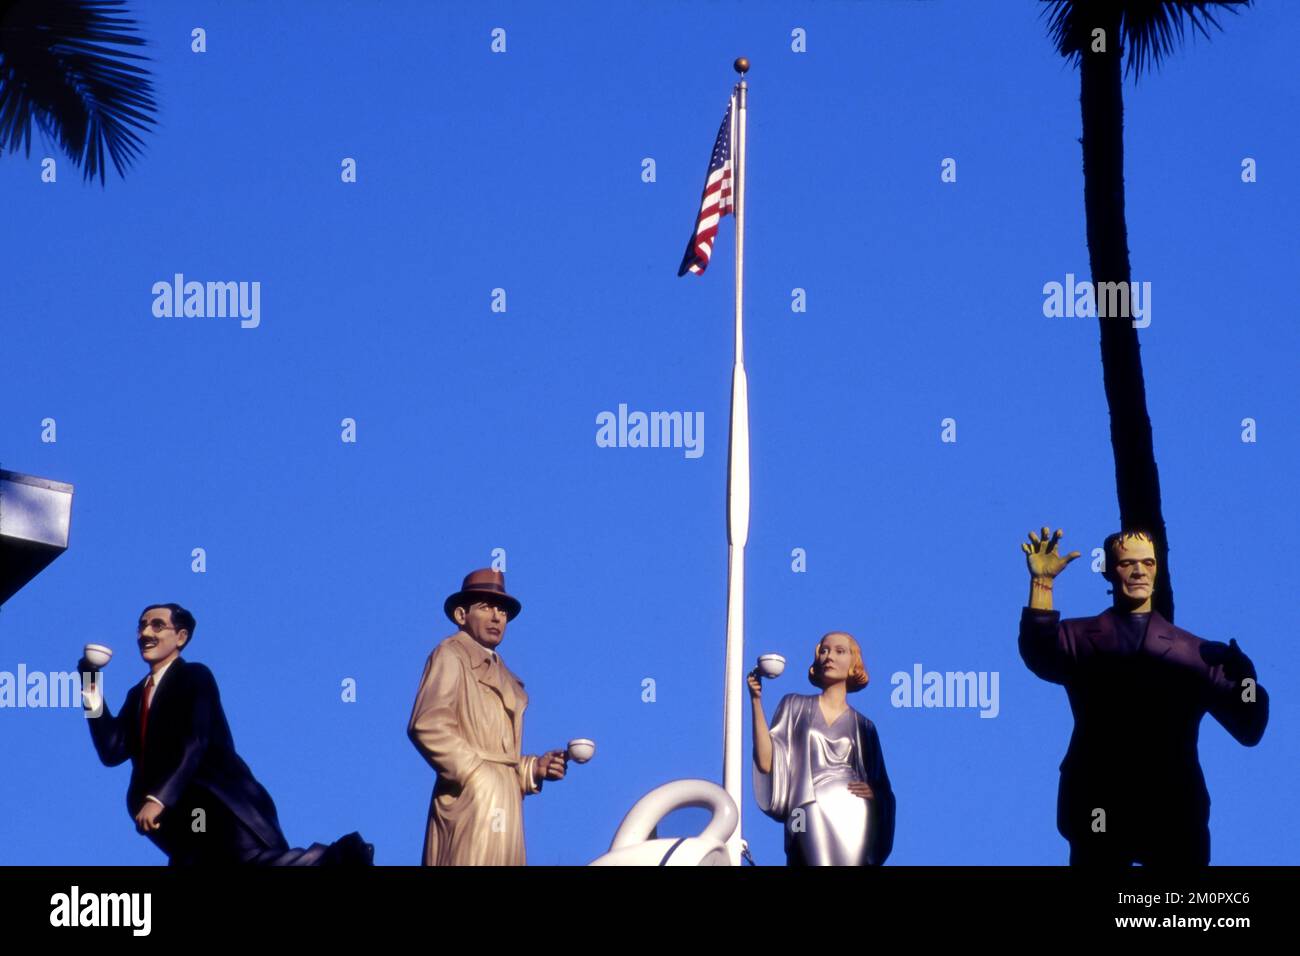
144	708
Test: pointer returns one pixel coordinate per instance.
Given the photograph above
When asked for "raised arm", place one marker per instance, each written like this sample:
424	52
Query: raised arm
773	786
107	733
1045	563
762	736
1043	644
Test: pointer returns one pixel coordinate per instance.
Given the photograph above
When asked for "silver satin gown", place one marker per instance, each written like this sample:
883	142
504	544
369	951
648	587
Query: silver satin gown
835	830
812	765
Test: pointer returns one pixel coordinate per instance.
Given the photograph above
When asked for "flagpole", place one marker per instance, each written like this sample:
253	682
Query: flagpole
737	493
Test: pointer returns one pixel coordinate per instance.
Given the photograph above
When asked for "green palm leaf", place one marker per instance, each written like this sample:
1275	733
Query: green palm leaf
1150	29
65	68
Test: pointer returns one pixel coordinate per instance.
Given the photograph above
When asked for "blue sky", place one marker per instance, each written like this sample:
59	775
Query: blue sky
476	429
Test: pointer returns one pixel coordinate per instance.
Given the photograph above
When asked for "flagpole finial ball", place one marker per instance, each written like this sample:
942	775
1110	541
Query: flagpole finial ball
741	65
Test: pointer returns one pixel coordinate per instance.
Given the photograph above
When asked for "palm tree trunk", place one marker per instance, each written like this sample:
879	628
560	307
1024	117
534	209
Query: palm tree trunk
1137	481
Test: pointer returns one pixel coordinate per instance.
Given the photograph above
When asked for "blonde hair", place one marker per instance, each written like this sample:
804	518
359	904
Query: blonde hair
858	676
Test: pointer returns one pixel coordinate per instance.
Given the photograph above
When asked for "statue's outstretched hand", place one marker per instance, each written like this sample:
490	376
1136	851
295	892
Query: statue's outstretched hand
1042	557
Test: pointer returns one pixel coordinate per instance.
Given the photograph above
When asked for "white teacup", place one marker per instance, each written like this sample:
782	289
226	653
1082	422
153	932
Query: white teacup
98	654
771	665
581	749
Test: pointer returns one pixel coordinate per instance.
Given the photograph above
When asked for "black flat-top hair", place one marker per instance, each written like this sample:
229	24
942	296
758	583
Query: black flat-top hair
182	619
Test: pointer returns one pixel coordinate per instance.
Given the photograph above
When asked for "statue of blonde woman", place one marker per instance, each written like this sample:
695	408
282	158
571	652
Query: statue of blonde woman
819	769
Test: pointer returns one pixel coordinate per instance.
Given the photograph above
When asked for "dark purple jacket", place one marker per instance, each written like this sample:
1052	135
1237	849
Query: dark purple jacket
1137	713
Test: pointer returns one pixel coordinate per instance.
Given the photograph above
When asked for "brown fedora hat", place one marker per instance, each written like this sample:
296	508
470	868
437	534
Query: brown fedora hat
481	584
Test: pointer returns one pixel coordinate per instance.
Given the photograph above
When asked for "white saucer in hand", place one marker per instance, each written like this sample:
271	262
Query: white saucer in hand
771	665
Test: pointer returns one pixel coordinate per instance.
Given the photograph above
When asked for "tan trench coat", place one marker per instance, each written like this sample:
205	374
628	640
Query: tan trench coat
468	723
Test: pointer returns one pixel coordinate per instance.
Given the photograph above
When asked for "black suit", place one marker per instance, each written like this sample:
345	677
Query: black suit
1137	715
189	763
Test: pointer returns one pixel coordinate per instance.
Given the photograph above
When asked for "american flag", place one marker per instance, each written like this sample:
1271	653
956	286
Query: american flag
716	203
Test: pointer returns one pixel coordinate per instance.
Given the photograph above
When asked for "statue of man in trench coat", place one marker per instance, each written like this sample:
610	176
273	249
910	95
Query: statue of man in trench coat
468	723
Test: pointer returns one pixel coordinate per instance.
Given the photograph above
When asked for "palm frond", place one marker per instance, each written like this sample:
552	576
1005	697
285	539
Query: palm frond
1150	30
65	67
